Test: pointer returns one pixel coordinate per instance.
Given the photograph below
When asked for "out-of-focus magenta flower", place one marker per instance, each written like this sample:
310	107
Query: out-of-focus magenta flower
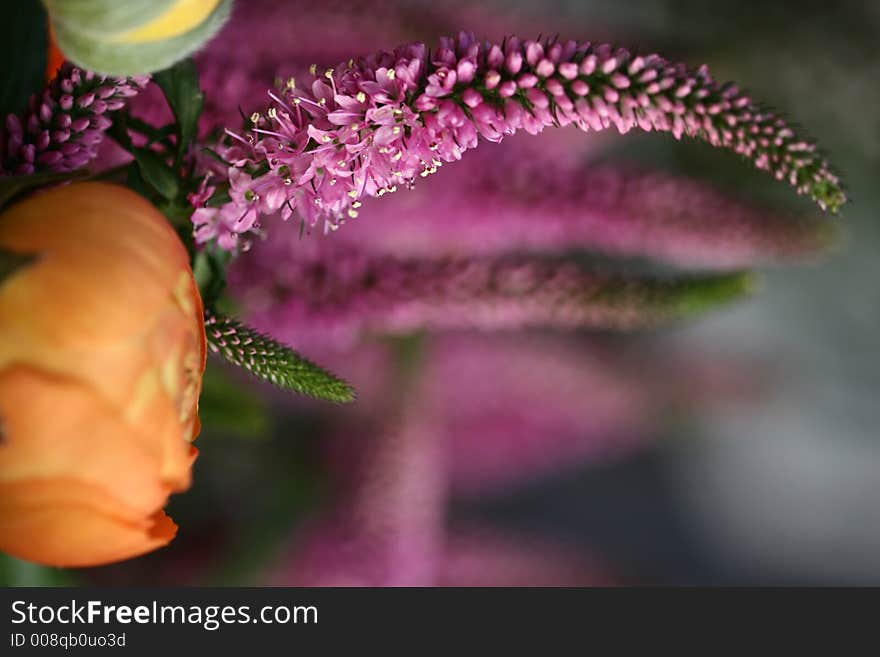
480	557
387	524
477	415
341	293
476	557
525	195
516	408
380	122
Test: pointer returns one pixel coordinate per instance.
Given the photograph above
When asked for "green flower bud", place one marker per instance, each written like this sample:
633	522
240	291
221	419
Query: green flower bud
136	36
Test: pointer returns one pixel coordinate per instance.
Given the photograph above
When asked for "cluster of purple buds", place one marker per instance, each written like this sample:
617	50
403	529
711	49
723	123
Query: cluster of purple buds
377	124
65	123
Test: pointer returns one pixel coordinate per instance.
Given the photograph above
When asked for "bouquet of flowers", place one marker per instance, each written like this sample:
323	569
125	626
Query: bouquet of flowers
181	180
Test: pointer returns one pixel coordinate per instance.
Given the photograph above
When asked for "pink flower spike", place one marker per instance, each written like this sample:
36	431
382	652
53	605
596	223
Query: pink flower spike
378	131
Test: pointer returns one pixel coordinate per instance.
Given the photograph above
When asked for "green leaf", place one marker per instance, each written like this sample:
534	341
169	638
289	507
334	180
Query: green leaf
272	361
153	134
156	173
15	572
630	303
11	262
209	269
697	295
12	187
180	84
624	303
227	405
23	52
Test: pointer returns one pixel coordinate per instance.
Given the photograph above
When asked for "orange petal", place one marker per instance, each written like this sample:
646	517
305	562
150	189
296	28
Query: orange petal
107	260
54	57
56	428
59	532
111	293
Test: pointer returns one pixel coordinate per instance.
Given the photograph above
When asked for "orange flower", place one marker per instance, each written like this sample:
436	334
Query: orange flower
102	350
54	56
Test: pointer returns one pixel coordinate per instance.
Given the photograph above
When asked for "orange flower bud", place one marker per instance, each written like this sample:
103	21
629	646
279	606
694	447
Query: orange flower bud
102	350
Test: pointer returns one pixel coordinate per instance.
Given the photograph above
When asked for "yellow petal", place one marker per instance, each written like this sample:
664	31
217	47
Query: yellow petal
180	18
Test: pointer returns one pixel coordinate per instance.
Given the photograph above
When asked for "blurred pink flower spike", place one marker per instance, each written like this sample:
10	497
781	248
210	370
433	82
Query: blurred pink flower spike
388	525
482	557
481	416
476	557
340	294
527	196
515	409
379	123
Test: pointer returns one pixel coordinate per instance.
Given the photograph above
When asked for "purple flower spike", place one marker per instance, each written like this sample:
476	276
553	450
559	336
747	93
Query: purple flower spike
65	123
379	123
387	523
513	409
524	196
387	529
341	293
480	557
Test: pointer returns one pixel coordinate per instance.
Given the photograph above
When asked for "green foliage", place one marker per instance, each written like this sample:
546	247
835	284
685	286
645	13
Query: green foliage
87	32
162	173
106	17
209	269
272	361
180	84
700	294
14	572
23	53
227	406
668	299
156	173
13	187
11	262
263	488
